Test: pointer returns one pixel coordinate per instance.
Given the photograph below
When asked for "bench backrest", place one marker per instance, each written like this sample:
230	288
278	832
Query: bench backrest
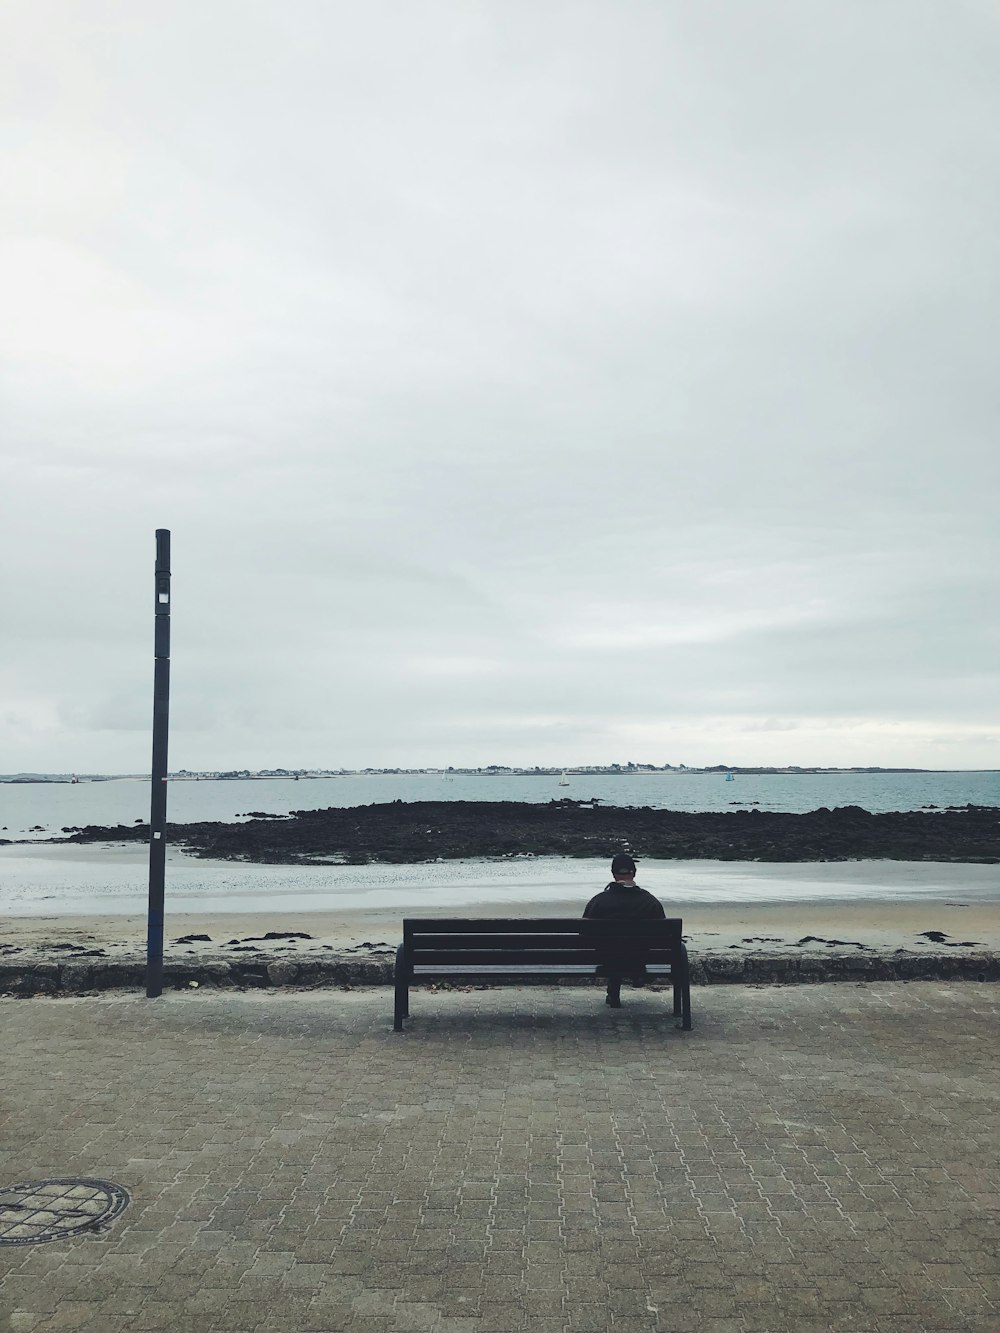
549	941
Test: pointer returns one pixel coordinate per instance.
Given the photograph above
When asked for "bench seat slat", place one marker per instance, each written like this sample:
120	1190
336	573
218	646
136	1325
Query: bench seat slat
564	940
525	970
554	958
559	925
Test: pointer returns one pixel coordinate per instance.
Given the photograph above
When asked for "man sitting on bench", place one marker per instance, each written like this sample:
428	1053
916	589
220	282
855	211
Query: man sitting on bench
623	900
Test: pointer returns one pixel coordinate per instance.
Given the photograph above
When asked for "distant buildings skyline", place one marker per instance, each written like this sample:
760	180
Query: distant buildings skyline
485	770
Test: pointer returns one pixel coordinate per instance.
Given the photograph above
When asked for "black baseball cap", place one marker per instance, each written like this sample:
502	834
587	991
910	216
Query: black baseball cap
622	865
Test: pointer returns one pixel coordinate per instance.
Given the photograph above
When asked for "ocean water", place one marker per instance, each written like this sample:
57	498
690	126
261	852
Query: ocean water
126	800
41	879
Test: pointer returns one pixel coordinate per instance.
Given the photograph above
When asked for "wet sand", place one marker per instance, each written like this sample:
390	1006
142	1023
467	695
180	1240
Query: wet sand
768	928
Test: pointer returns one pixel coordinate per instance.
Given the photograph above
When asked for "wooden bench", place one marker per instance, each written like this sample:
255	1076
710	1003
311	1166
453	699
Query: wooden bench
539	949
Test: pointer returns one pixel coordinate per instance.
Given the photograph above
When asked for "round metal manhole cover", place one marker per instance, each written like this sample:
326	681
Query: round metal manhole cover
55	1209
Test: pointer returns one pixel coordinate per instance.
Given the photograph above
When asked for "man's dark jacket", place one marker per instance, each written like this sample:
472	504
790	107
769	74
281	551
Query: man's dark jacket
624	902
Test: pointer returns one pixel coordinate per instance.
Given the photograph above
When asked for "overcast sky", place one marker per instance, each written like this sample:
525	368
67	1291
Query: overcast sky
521	382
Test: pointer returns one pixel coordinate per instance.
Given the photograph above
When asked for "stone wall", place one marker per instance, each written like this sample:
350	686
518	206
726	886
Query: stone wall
40	976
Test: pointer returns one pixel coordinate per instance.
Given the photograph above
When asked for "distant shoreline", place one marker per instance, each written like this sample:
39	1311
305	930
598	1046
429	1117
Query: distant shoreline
311	775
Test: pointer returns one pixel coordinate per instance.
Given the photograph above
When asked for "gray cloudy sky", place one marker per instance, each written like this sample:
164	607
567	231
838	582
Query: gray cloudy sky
521	382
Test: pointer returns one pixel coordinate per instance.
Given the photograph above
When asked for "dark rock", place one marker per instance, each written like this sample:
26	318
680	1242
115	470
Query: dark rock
112	975
180	975
283	972
30	978
773	970
937	967
722	968
397	833
194	939
250	976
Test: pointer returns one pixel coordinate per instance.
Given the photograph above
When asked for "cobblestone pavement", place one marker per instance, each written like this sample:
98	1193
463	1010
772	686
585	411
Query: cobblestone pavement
807	1159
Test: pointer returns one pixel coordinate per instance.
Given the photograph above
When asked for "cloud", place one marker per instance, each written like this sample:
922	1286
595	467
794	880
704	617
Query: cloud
516	387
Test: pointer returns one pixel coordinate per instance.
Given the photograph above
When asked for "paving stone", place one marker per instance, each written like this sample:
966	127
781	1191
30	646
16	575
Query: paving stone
804	1159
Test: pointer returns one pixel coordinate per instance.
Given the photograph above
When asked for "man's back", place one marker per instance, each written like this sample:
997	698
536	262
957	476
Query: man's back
624	902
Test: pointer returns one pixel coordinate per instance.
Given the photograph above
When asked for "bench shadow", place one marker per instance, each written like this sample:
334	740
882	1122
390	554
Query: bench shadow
329	1016
641	1015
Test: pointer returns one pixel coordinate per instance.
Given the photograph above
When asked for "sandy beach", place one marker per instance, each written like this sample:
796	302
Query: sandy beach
58	901
769	928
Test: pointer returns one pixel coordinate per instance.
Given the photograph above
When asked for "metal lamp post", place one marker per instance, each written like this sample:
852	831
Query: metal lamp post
158	797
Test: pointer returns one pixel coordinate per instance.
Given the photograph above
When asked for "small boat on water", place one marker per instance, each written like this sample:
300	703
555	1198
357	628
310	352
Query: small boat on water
564	780
730	778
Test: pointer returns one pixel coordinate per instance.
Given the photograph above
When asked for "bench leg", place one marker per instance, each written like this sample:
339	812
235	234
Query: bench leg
614	995
682	991
402	1000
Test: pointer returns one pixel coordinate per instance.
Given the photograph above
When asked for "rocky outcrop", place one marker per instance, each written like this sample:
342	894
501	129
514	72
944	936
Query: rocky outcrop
409	832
